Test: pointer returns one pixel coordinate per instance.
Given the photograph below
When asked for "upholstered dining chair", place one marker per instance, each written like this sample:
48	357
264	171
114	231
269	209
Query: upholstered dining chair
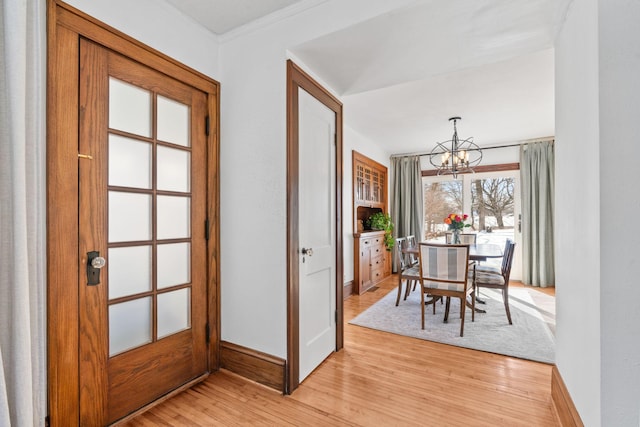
444	272
465	238
488	279
406	273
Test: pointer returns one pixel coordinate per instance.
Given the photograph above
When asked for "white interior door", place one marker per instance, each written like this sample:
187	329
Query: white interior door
317	233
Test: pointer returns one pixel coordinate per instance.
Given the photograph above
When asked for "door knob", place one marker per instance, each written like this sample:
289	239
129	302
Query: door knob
94	263
98	262
307	251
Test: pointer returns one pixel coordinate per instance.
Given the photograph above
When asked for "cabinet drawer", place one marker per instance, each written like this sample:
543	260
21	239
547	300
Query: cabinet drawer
377	274
377	261
365	243
377	250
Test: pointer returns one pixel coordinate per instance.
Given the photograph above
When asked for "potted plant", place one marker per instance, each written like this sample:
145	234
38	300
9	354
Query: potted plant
382	221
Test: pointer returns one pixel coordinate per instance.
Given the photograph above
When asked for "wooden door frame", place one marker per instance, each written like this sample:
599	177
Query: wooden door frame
297	78
65	27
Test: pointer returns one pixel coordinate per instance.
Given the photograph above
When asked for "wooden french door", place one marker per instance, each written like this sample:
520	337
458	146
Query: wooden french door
142	247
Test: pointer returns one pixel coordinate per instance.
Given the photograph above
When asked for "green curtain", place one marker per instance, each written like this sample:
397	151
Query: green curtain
407	198
537	182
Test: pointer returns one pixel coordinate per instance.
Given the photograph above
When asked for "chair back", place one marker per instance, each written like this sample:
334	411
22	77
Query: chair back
444	266
401	243
411	242
468	238
507	259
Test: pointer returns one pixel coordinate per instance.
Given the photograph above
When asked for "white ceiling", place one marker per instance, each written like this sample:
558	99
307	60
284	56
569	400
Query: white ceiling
221	16
401	75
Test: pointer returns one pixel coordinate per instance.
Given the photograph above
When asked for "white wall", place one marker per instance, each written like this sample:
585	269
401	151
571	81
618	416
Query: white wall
597	106
577	210
253	168
619	88
160	26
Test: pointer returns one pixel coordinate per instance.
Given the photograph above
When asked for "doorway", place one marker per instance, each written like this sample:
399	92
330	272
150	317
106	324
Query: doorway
302	268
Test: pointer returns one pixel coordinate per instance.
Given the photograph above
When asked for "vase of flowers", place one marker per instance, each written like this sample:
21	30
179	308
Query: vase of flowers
456	224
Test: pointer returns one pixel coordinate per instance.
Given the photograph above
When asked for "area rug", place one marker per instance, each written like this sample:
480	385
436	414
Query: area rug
528	338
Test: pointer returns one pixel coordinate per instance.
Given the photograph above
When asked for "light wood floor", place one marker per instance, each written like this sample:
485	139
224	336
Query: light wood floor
378	379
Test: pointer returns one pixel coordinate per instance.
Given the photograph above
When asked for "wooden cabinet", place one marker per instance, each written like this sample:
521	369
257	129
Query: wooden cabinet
371	260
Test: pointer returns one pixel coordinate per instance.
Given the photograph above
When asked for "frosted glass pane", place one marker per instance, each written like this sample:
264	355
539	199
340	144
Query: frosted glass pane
173	169
129	108
173	217
173	121
129	162
129	216
174	312
129	325
174	264
129	271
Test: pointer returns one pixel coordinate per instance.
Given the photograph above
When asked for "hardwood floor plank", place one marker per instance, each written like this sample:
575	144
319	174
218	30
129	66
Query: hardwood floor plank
377	379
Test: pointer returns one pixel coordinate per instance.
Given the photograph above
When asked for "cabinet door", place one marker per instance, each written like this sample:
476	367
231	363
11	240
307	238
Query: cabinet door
358	184
377	185
365	267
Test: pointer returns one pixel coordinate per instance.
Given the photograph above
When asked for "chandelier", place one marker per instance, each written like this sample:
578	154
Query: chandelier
455	155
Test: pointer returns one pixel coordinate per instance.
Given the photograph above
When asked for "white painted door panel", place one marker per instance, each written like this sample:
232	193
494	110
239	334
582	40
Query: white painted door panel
317	231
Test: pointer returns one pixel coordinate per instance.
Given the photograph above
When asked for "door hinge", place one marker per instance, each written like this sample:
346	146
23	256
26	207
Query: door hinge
336	315
207	332
207	125
207	233
47	421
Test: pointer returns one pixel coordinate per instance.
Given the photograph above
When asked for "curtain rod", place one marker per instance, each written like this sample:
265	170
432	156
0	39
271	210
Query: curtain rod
515	144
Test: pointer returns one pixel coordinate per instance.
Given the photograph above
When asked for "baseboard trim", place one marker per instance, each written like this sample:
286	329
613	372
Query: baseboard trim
347	289
566	410
252	364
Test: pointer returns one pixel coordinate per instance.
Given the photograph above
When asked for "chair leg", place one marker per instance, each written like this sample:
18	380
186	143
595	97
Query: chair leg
463	304
473	306
399	291
422	292
505	297
446	310
408	289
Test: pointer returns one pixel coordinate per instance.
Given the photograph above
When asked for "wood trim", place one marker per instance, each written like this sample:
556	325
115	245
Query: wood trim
93	29
479	169
565	409
254	365
297	78
62	234
347	289
65	27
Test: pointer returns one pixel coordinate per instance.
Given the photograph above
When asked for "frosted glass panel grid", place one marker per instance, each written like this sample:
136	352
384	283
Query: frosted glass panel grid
129	325
174	312
174	264
129	108
129	271
173	121
173	216
129	162
129	216
173	169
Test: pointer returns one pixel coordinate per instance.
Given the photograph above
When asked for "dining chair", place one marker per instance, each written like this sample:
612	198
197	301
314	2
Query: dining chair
407	273
465	238
413	257
487	268
444	272
492	280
